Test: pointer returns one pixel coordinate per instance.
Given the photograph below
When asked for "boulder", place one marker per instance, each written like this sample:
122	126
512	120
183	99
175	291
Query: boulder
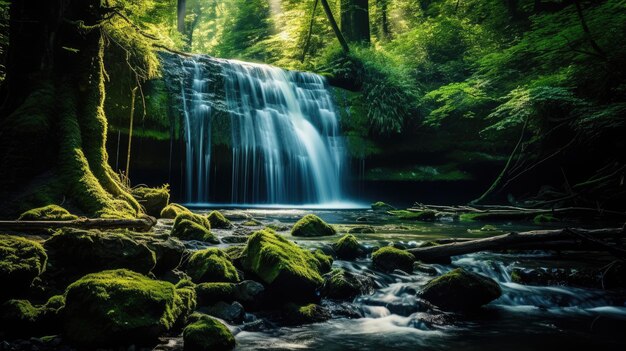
311	226
390	258
342	285
218	220
153	200
380	206
207	334
290	272
307	314
231	312
460	289
21	261
348	248
47	213
211	265
86	251
20	318
121	307
172	210
246	292
169	250
196	218
190	226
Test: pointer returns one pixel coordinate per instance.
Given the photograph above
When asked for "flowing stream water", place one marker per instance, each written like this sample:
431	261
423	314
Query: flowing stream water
285	146
525	317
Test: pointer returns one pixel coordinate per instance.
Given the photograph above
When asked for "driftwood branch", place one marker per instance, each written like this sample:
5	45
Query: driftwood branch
532	240
141	224
494	212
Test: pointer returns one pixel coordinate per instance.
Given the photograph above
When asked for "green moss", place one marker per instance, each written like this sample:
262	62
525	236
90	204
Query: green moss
235	251
306	314
21	261
153	200
189	230
252	223
218	220
389	258
47	213
207	334
348	248
311	225
196	218
172	210
342	285
429	244
79	251
544	218
294	273
121	307
19	318
425	216
210	293
211	265
361	230
325	261
380	206
460	289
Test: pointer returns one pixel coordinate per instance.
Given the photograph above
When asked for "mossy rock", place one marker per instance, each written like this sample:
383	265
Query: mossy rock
390	258
169	250
291	273
312	226
153	200
196	218
218	220
342	285
210	293
429	244
424	216
251	223
121	307
348	248
21	261
82	251
361	230
20	318
460	290
207	334
307	314
544	218
47	213
189	230
172	210
380	206
211	265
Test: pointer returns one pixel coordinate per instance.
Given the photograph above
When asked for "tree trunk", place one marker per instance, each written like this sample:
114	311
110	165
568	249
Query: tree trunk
333	24
181	12
383	19
53	141
355	22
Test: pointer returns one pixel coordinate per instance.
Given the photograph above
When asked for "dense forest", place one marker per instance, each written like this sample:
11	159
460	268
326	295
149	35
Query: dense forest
423	169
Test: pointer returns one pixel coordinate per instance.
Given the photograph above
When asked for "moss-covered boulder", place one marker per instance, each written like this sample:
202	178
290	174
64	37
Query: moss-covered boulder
424	216
20	318
460	290
348	248
362	230
291	273
342	285
189	230
21	261
310	226
218	220
246	292
211	265
193	217
121	307
169	250
47	213
544	218
82	251
390	258
207	334
153	200
380	206
172	210
307	314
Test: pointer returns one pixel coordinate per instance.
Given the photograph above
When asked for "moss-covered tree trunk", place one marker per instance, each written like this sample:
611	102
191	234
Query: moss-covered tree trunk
53	125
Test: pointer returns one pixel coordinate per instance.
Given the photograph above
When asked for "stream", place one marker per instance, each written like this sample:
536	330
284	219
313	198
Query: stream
525	317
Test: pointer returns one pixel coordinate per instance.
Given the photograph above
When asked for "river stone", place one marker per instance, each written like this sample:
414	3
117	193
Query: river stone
85	251
211	265
311	226
390	258
169	250
120	307
290	272
207	334
382	207
342	285
230	312
153	200
20	318
172	210
460	290
21	261
307	314
348	248
218	220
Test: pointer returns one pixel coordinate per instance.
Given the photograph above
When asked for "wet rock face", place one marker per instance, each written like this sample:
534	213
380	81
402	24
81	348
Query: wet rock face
21	261
121	307
312	226
460	290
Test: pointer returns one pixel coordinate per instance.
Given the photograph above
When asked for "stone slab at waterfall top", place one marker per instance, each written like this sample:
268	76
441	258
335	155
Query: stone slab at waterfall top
311	225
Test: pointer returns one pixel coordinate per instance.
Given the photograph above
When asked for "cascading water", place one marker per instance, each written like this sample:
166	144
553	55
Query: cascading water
284	134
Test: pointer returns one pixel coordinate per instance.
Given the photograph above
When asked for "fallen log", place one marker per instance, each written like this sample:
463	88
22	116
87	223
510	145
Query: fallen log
532	240
143	224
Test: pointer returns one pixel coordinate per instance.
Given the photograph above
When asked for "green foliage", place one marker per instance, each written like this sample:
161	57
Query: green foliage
211	265
47	213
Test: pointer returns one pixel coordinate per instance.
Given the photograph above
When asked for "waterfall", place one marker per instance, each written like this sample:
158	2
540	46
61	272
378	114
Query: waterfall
284	142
